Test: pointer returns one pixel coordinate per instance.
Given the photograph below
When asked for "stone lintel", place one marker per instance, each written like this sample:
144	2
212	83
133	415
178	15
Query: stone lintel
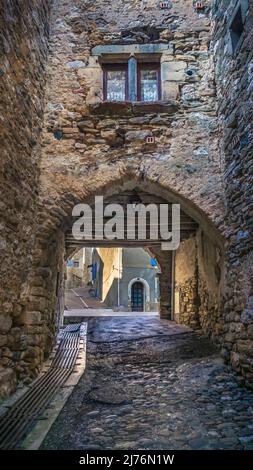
127	108
131	49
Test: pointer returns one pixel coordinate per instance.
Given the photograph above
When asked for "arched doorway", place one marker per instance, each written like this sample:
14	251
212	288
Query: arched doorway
137	297
132	289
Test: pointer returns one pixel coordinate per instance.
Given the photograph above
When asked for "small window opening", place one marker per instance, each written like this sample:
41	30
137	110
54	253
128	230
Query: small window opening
236	28
148	82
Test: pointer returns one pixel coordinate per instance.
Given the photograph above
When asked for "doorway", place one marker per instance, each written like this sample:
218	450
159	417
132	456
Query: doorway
137	297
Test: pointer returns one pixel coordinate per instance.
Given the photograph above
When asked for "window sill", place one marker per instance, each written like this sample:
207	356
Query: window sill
128	108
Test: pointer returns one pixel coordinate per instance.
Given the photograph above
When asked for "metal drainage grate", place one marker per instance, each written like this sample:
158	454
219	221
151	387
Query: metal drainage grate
21	417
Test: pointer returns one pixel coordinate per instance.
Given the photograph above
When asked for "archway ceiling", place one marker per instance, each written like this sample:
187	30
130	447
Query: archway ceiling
188	225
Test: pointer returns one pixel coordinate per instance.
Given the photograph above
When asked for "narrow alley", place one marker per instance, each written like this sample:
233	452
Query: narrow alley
126	241
152	384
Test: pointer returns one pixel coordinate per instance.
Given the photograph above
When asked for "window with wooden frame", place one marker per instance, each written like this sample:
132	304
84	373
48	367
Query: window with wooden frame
149	82
115	82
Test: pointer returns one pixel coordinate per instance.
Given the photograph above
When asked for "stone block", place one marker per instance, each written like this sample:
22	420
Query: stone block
32	353
250	331
93	62
230	337
30	318
105	123
34	340
38	291
168	106
3	340
44	272
94	96
75	64
8	382
80	146
247	316
111	108
85	124
173	71
245	346
91	76
37	304
110	136
137	136
70	130
130	49
139	120
5	323
170	90
166	34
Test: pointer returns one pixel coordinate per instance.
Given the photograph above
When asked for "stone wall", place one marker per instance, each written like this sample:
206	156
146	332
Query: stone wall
199	285
92	148
23	48
234	78
210	272
88	145
186	303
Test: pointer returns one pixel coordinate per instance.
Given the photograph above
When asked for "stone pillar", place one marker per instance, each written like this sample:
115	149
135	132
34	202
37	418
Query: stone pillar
166	286
132	79
186	284
164	259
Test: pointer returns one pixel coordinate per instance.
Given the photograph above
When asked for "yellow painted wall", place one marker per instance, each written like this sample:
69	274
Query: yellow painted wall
112	267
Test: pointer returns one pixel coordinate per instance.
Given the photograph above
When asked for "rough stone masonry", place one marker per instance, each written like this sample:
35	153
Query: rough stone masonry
63	144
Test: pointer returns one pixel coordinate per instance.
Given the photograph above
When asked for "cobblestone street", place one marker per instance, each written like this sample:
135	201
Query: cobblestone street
151	384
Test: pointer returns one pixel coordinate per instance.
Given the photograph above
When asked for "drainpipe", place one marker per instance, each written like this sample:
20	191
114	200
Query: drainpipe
173	285
118	277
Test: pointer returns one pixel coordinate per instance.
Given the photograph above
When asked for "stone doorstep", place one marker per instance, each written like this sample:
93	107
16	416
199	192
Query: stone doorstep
39	431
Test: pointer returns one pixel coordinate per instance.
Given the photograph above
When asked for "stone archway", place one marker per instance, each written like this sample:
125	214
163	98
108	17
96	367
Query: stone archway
41	296
83	151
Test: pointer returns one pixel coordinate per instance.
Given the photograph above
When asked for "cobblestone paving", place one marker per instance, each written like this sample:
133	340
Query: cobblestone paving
151	384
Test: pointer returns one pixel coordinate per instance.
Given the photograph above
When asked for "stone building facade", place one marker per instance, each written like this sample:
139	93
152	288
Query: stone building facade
78	269
117	270
185	147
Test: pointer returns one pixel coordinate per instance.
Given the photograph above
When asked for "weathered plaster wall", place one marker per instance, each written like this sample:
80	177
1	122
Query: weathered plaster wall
24	30
77	276
110	267
234	77
136	263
